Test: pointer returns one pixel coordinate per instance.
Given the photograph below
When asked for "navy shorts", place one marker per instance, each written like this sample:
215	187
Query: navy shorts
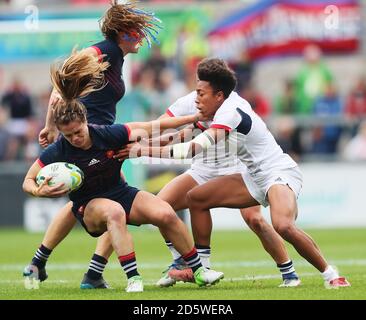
123	195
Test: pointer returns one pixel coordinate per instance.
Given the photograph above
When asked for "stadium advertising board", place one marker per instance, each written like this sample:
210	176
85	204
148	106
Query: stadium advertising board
327	200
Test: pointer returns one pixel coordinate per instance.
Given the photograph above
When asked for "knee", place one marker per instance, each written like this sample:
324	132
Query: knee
285	229
165	216
116	215
194	198
256	223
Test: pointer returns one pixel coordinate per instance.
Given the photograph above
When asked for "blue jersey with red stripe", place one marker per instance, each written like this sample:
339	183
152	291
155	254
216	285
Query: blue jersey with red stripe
101	104
101	171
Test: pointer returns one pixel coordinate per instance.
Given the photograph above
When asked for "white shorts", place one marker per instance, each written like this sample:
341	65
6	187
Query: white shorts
259	185
204	174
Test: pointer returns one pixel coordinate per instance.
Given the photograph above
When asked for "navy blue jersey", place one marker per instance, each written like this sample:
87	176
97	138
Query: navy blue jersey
101	171
101	104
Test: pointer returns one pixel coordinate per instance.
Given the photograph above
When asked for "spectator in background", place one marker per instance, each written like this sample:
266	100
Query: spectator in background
288	137
19	104
157	63
285	103
88	2
40	111
355	150
148	87
356	102
140	102
32	148
4	135
190	76
311	79
327	106
243	68
171	89
258	102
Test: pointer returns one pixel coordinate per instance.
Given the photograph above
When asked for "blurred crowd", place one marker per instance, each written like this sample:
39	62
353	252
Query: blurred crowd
83	2
309	118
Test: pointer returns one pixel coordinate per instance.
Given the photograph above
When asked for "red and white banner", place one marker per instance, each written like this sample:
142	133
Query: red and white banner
275	27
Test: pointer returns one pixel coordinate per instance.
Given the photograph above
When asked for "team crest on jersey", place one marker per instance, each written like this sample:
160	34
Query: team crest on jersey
109	154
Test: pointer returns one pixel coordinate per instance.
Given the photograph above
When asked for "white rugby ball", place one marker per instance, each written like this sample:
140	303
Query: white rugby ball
62	172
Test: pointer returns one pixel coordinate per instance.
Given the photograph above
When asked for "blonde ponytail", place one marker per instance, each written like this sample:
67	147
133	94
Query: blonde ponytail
79	75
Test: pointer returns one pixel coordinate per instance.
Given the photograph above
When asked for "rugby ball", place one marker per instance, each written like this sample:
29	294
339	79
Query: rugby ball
62	172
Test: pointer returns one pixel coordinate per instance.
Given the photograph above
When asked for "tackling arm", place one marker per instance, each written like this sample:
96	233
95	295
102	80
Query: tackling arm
143	129
189	149
175	137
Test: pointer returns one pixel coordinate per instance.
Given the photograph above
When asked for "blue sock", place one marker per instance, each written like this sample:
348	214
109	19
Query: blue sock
287	270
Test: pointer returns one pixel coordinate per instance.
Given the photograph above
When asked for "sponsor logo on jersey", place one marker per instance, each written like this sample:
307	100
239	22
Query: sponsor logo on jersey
93	162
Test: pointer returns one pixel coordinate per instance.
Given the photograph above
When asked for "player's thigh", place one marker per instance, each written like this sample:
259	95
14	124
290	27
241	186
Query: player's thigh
148	208
175	191
225	191
65	214
98	211
282	202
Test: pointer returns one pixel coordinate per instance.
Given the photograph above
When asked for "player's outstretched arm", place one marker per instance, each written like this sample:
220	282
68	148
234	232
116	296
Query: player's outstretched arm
143	129
185	150
184	134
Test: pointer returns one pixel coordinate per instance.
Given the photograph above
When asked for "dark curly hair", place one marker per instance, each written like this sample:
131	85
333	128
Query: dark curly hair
218	74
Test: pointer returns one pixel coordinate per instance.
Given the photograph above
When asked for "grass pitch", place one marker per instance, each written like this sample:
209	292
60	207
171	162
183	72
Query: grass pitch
250	273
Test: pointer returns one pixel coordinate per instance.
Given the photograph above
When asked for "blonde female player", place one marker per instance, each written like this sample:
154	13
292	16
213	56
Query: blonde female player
124	27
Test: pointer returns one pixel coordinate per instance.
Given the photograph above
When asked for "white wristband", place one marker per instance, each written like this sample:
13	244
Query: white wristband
182	150
204	140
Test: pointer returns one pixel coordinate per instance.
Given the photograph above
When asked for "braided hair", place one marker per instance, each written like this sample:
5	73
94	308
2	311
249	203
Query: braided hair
131	21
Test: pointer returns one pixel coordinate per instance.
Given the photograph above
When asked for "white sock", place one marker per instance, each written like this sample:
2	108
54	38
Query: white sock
204	252
330	274
175	254
205	261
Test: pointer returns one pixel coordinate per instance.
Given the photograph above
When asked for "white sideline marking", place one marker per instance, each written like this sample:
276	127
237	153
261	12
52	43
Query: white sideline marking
153	282
48	281
243	264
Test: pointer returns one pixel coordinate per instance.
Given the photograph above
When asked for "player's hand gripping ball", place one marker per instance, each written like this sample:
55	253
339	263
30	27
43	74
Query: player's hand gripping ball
62	172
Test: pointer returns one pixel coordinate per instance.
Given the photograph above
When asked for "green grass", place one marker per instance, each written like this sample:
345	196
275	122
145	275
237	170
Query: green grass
250	274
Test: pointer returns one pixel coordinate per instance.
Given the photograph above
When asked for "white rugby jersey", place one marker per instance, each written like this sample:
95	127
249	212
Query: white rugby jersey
256	146
217	156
